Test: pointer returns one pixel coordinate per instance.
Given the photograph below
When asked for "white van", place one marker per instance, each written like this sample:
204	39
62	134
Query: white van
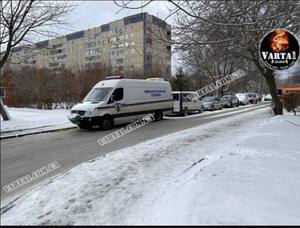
243	98
117	101
183	105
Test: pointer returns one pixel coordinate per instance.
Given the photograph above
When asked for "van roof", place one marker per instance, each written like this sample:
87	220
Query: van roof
184	91
113	82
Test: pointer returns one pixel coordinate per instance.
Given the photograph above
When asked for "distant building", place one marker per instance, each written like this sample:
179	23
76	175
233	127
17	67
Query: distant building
129	44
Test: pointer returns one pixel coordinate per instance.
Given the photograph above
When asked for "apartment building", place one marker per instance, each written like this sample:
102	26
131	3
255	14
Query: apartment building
134	43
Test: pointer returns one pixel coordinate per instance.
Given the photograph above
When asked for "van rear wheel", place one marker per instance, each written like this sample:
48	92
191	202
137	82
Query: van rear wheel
185	111
106	123
158	115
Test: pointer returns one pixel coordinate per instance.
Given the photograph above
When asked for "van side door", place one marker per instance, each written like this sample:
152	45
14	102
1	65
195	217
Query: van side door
117	100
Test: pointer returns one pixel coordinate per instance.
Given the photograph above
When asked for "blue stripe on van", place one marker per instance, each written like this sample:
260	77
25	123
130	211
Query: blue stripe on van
139	113
140	103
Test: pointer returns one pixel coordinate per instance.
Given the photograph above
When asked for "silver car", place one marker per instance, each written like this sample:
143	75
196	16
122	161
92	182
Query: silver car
211	103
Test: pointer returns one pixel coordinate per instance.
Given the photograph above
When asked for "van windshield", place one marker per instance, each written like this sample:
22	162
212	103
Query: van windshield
98	94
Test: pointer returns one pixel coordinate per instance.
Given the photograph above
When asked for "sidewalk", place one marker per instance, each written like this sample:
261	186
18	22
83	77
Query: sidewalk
26	121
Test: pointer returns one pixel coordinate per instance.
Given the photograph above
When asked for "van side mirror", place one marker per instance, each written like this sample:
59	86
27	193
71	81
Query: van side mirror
112	98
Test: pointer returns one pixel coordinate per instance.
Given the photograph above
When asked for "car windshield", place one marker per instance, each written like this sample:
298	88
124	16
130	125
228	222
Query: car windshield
98	94
225	98
208	99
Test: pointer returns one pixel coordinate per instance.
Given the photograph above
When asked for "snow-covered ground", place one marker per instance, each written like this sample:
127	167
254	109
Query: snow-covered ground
27	120
238	171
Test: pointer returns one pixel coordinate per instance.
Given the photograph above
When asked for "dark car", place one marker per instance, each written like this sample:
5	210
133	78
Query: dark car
230	101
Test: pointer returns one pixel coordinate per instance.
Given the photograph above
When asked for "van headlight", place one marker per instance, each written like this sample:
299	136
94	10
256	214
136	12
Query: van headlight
91	112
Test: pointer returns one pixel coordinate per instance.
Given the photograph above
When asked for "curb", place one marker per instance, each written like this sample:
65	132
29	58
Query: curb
35	132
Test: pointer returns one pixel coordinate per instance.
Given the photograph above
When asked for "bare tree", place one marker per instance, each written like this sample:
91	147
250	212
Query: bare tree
239	24
212	61
24	20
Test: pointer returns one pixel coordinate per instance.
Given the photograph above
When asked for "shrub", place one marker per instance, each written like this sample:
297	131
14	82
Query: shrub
291	101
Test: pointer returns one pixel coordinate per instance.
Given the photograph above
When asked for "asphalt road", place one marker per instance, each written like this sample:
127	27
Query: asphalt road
22	156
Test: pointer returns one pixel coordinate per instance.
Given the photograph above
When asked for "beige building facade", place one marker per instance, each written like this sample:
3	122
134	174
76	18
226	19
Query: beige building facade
134	43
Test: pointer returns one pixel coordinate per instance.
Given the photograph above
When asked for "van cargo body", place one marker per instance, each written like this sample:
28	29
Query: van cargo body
117	101
183	105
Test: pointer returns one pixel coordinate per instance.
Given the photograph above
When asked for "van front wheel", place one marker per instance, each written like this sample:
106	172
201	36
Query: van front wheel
158	115
106	123
82	126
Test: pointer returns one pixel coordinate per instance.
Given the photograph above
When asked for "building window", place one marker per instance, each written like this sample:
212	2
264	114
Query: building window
112	54
119	61
113	62
113	39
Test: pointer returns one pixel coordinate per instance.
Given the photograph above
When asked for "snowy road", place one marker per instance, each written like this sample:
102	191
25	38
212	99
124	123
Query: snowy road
234	171
22	156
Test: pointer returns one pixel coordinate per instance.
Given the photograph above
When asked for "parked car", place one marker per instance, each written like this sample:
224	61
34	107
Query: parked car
256	96
253	98
267	97
211	103
243	98
183	105
230	101
259	98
